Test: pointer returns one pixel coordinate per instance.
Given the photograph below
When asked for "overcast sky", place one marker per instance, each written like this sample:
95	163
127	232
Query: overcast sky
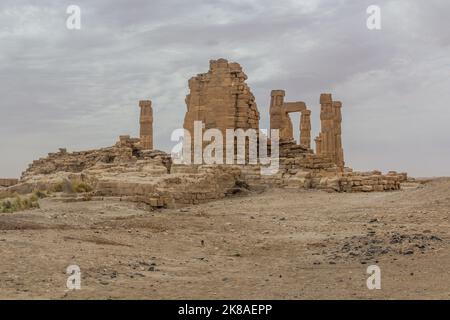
80	88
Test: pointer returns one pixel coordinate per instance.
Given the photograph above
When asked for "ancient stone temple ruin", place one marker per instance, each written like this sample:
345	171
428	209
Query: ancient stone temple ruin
280	119
329	140
220	98
146	123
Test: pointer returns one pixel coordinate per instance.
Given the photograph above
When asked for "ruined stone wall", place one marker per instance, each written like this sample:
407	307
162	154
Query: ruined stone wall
184	185
8	182
281	120
290	169
126	150
370	181
315	172
289	149
300	168
221	99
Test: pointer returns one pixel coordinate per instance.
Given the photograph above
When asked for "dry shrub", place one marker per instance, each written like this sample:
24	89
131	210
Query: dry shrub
80	186
20	203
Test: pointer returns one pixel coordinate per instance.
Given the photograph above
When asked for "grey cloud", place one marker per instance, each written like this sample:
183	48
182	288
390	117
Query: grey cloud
80	89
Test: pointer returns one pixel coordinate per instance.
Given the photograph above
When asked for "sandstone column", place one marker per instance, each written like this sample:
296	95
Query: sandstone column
329	141
146	122
305	129
337	105
277	119
327	120
279	114
318	141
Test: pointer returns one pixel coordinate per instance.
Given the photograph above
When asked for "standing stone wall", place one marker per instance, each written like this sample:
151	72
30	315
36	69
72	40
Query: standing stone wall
221	99
8	182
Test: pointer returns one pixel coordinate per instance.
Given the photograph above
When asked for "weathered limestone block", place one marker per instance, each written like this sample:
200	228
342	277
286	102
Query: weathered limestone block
301	179
369	181
403	176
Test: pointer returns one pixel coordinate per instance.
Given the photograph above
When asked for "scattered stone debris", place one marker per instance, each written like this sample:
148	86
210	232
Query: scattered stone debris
373	245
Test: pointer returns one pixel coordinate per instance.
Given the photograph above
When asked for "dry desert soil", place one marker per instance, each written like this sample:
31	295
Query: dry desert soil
279	244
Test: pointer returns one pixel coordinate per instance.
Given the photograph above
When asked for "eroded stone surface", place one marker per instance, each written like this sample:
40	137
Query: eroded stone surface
221	99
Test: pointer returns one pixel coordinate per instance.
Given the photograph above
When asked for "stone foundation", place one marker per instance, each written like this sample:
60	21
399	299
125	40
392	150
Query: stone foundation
126	151
294	174
8	182
148	176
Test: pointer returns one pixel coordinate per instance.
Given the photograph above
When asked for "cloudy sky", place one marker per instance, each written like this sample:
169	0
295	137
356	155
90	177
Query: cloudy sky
80	88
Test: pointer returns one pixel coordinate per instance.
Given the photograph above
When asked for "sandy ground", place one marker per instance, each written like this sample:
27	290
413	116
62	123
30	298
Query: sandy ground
281	244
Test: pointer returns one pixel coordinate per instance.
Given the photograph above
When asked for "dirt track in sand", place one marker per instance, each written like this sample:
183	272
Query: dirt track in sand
281	244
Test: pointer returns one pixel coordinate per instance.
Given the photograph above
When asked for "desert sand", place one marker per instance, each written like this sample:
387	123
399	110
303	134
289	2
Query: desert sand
281	244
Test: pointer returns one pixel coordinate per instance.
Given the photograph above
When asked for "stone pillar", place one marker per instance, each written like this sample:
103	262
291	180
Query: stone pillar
305	129
337	105
279	114
327	120
276	111
329	141
318	141
146	122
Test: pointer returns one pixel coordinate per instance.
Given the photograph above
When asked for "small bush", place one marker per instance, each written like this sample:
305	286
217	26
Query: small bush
81	187
7	194
6	205
40	194
57	187
19	204
68	186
